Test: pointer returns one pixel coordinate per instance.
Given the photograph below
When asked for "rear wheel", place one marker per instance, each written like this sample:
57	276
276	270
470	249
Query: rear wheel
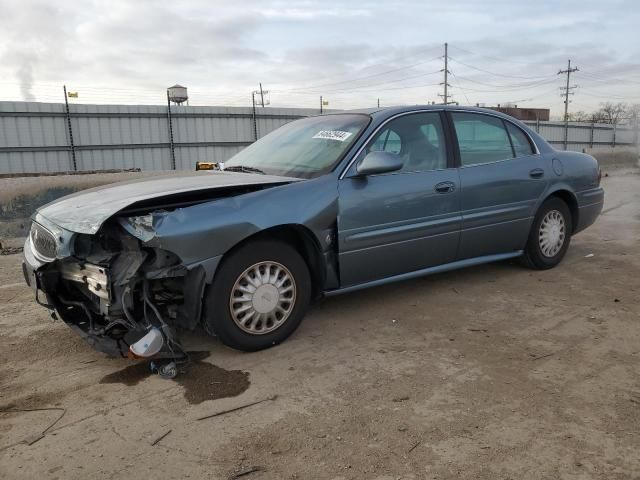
259	295
550	235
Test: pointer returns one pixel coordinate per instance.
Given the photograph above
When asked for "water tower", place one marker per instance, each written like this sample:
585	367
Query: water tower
177	94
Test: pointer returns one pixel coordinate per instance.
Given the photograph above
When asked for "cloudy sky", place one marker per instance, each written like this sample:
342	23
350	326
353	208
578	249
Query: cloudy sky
352	53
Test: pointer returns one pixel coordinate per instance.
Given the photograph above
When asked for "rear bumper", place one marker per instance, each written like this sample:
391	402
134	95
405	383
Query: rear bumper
590	205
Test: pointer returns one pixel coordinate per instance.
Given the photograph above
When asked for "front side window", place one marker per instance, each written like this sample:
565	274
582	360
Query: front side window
304	148
481	138
418	139
387	141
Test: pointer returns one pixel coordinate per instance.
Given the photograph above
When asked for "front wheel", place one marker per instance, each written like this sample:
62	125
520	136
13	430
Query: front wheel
550	235
259	295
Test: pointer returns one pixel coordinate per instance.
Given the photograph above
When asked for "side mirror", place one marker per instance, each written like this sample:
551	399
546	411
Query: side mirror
379	162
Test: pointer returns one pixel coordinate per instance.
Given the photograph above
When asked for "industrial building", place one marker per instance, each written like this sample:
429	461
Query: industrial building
524	114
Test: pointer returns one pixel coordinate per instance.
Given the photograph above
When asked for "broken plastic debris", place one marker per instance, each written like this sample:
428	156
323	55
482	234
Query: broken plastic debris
148	345
588	255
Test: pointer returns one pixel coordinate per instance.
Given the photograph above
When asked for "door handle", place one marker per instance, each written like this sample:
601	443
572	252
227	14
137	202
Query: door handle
445	187
536	173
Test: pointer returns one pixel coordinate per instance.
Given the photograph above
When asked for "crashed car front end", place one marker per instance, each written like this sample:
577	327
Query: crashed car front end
115	287
126	265
129	266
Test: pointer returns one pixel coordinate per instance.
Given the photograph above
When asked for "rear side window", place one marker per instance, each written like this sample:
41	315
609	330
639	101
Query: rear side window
521	144
481	138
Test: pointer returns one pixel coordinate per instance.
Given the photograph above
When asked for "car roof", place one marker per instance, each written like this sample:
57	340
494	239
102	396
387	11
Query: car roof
393	110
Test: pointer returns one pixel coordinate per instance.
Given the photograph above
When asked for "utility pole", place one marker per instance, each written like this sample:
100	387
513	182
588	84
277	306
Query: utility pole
172	150
567	91
255	121
253	106
262	93
71	144
446	71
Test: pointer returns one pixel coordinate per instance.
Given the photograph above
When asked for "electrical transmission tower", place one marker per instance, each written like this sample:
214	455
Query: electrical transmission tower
566	91
445	96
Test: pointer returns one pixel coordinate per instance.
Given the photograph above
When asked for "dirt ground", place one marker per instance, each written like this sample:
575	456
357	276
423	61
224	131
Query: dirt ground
494	372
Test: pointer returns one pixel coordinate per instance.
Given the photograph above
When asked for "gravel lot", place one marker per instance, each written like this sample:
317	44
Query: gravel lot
494	372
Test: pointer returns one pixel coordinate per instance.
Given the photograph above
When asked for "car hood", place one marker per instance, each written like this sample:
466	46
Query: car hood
87	210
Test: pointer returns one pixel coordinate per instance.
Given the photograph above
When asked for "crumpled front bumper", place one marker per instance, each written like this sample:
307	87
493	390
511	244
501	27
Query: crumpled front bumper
43	284
30	267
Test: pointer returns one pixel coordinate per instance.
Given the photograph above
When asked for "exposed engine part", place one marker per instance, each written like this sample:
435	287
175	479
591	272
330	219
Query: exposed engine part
93	276
126	297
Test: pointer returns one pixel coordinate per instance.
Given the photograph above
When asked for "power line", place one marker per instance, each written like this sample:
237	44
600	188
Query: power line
490	57
461	89
365	77
497	74
590	93
511	86
502	89
600	78
360	87
383	63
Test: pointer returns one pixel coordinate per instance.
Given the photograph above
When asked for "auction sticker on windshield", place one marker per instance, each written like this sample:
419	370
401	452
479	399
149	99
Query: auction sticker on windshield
333	135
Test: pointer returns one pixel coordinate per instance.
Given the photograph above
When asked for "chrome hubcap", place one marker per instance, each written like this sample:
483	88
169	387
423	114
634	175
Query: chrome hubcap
552	233
262	298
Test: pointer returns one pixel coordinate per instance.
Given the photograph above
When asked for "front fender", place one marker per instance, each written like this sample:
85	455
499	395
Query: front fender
203	233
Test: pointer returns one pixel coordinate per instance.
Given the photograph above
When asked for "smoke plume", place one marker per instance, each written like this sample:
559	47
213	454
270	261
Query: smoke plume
25	77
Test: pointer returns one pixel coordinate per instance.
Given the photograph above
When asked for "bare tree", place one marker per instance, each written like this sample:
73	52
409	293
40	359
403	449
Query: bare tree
633	112
598	117
612	112
634	116
580	116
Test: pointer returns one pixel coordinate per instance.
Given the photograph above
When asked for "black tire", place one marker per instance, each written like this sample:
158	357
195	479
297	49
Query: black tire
533	254
217	317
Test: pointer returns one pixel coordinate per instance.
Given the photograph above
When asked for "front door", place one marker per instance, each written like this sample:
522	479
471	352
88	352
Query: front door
402	221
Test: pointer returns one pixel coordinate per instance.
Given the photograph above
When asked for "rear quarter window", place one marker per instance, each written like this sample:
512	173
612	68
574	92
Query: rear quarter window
521	143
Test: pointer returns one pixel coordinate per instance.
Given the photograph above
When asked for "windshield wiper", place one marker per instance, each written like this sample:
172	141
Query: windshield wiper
243	169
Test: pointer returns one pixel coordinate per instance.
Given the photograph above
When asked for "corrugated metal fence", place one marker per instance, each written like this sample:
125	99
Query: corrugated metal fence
35	137
586	135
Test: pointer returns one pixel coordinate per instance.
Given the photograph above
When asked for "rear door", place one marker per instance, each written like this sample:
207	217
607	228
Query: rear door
403	221
501	179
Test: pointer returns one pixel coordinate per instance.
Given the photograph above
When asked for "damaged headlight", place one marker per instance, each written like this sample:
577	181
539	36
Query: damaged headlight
139	226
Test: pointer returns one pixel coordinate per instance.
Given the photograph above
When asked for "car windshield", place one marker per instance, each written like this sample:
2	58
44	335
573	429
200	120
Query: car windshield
304	148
